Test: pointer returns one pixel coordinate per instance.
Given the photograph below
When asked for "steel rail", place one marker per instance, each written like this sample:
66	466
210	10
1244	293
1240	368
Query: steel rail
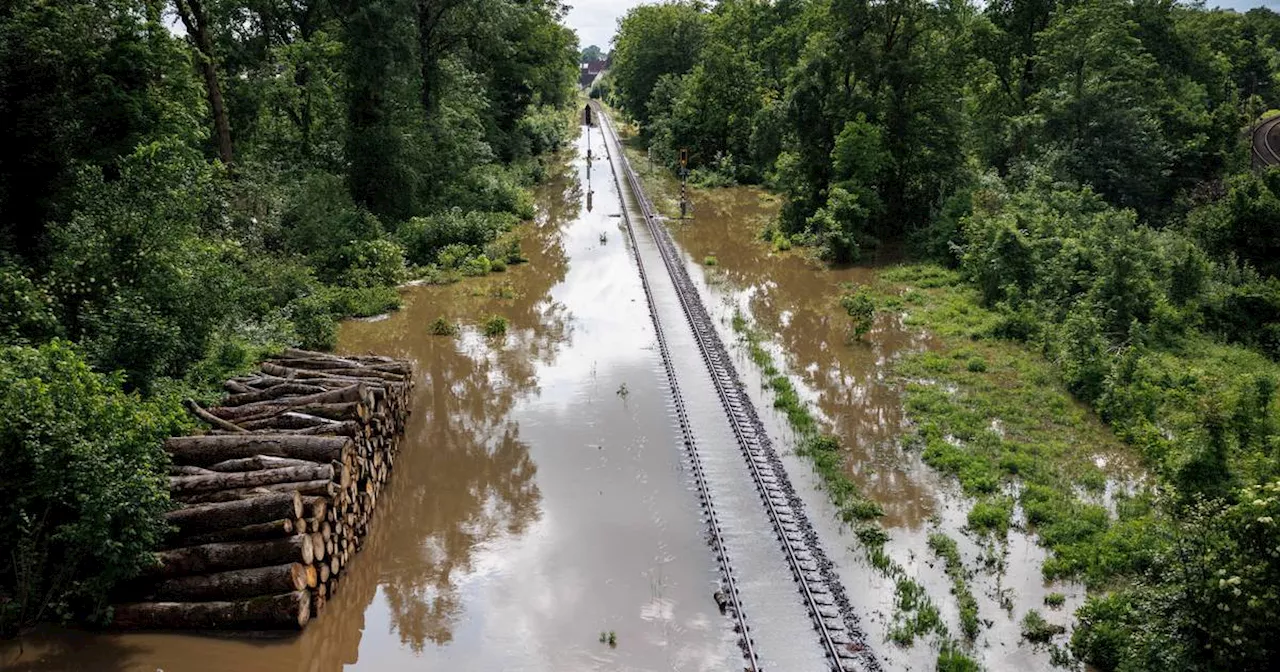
829	611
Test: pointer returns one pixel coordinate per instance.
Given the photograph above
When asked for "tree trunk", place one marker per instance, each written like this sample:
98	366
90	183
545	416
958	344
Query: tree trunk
183	485
356	393
230	555
289	421
256	532
212	517
320	487
233	585
289	611
205	450
196	21
258	462
271	393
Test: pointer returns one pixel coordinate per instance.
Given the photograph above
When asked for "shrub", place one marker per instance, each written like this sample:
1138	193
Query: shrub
991	516
951	659
710	260
1037	630
976	365
84	483
496	325
476	266
426	238
316	327
1055	600
861	310
372	263
362	301
443	327
26	310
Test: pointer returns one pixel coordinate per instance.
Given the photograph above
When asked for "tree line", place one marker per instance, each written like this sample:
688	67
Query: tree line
1086	166
188	184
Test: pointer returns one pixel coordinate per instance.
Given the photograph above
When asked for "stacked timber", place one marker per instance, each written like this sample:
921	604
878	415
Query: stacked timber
276	499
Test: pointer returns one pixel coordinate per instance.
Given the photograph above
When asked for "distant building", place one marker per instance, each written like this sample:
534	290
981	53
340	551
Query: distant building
588	71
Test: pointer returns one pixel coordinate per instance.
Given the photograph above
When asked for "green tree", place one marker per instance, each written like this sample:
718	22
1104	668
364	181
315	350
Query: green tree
652	41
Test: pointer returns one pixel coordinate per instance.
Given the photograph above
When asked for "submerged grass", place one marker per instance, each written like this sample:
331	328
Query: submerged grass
822	449
945	547
995	415
915	615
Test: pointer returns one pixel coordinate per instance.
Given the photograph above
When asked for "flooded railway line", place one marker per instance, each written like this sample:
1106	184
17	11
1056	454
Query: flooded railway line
835	624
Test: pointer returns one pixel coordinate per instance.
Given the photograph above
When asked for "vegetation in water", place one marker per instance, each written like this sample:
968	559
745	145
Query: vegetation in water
495	325
175	208
861	309
945	547
443	327
1106	269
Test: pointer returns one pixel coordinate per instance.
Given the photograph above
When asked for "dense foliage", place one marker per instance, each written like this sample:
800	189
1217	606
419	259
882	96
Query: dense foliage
1085	166
83	482
188	183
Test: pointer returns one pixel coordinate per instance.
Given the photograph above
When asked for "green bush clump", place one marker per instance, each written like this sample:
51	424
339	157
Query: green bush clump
976	365
951	659
84	483
476	266
443	327
1037	630
495	325
426	238
861	309
313	319
362	301
1055	600
991	516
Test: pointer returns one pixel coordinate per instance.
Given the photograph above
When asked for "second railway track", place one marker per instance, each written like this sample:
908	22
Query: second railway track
835	624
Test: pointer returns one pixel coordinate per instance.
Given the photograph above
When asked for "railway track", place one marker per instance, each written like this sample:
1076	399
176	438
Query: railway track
1264	149
834	622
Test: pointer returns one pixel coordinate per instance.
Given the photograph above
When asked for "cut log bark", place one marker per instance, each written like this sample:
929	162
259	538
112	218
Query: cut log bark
346	394
205	450
184	485
321	488
271	530
289	611
180	470
258	462
226	556
211	419
233	585
212	517
289	421
347	428
236	387
270	393
290	373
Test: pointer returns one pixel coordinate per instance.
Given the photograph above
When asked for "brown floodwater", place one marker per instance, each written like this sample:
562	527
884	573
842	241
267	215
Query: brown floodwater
848	383
539	500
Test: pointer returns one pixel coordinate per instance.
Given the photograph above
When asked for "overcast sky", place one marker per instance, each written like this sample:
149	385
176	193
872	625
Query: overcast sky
596	20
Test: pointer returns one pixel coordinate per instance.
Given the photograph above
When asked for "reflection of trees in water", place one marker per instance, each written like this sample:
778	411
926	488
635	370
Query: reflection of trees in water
466	476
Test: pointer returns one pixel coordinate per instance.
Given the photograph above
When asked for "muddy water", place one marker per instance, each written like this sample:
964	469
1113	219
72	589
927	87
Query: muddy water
539	499
846	382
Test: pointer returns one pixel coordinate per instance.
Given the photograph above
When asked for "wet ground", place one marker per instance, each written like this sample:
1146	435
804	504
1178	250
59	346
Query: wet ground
540	501
849	384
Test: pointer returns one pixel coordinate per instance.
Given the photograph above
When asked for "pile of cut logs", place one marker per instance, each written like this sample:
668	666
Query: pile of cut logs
276	499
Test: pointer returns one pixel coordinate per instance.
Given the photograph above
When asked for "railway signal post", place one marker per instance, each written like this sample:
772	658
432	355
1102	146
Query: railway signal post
684	174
